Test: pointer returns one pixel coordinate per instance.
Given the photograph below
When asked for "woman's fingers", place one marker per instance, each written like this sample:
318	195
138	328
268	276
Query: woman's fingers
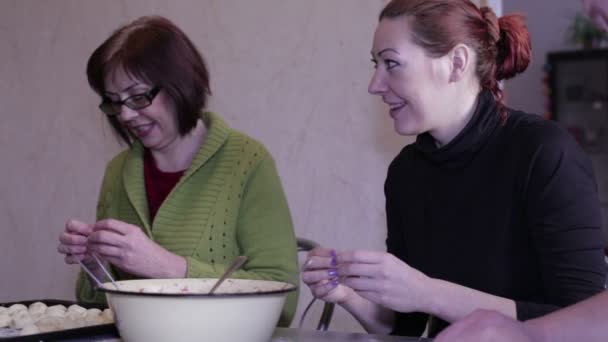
72	239
72	249
116	226
320	258
78	227
322	252
73	258
349	263
319	272
361	284
316	263
313	277
360	257
106	251
106	237
323	288
359	270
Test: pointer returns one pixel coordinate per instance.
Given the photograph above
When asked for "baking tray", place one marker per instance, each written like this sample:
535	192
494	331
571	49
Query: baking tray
106	330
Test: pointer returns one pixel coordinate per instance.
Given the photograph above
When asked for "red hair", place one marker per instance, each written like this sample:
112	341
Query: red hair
502	45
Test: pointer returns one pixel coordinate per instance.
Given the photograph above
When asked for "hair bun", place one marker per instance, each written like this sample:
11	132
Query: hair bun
514	47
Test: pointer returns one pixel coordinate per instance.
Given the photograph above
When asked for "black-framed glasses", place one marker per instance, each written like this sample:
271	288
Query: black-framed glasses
135	102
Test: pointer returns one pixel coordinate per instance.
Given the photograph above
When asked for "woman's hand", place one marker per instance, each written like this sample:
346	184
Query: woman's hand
127	247
385	280
319	273
73	243
483	325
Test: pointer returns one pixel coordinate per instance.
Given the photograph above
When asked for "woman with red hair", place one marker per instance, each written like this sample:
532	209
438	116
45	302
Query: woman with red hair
490	208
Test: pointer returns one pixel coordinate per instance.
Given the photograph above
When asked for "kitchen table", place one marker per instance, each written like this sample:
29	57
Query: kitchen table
298	335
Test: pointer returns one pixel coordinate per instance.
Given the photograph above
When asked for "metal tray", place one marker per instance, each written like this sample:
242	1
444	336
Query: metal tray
68	334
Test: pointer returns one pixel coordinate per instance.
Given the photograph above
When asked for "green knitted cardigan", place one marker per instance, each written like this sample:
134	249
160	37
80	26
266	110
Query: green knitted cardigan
229	202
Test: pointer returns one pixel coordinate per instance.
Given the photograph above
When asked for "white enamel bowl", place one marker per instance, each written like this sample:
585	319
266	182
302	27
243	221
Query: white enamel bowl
182	310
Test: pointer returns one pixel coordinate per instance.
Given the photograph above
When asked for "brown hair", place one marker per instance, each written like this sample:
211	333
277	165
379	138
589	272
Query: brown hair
502	45
154	50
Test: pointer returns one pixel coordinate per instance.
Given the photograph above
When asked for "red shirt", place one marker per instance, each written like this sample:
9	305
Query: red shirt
158	183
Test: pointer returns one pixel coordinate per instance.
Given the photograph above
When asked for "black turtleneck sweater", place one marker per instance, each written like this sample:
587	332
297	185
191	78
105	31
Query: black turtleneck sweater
508	208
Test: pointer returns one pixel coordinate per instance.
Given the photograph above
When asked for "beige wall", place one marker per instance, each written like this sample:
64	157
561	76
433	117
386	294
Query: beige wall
291	73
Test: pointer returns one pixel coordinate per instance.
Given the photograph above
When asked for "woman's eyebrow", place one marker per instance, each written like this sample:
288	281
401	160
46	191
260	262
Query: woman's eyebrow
126	89
386	50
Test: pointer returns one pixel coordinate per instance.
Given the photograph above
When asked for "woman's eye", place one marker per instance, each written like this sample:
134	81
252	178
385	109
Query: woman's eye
138	99
110	99
390	64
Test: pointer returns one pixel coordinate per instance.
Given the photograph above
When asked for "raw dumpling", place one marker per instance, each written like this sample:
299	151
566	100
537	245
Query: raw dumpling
40	318
70	323
57	307
15	308
47	323
93	317
76	307
76	312
29	329
75	316
93	311
22	319
36	315
107	316
5	320
37	309
56	311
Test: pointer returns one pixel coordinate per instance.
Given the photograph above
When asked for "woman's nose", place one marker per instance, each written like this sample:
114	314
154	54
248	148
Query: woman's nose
127	113
377	85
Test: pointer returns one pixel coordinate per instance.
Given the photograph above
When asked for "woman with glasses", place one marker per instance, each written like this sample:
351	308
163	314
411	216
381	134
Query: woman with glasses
489	208
190	193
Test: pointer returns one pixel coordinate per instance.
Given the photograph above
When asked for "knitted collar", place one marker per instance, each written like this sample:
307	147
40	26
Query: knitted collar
469	141
133	170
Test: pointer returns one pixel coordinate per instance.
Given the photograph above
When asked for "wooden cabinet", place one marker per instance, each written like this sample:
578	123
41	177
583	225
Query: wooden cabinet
578	95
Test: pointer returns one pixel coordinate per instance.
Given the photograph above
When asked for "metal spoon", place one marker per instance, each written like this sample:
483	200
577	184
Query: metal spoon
97	281
103	268
86	269
236	264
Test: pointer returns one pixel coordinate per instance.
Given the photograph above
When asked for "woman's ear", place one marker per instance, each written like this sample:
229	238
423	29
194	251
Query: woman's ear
461	60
